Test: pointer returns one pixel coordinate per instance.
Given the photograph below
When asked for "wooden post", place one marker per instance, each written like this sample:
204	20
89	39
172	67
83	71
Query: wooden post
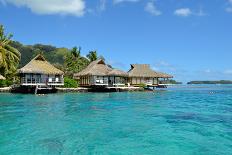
36	89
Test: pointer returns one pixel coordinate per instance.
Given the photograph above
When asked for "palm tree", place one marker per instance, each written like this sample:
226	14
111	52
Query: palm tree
92	56
74	62
76	52
73	56
9	56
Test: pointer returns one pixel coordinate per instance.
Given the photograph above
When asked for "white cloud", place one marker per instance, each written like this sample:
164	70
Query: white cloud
163	64
178	72
120	1
209	74
200	13
3	2
62	7
207	71
229	8
151	8
102	5
184	12
229	71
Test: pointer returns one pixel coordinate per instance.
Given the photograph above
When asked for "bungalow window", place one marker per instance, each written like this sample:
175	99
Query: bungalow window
29	78
57	78
99	80
38	78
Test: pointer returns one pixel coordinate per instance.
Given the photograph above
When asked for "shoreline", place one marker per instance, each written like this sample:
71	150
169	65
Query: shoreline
86	90
5	89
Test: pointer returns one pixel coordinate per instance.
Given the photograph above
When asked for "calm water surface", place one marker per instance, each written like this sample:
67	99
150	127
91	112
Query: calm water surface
179	121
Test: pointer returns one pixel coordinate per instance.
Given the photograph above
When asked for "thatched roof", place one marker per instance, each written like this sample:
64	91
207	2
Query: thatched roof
2	77
99	68
116	72
165	75
39	65
144	70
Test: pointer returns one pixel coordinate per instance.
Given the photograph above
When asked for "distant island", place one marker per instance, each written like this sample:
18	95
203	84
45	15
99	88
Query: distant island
211	82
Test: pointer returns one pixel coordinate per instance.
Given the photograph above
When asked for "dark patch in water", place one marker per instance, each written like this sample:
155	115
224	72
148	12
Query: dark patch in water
53	145
185	116
177	118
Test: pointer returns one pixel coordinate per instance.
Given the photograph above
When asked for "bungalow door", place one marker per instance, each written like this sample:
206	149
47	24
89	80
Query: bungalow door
111	81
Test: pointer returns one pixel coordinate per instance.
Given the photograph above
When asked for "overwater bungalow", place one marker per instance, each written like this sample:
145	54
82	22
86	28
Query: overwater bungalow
39	73
143	74
98	73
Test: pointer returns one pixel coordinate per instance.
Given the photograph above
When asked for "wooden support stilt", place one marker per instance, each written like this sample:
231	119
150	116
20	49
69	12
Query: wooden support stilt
36	89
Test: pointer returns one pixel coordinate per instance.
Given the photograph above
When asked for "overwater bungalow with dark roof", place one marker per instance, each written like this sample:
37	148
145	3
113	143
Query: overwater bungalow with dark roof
98	73
39	73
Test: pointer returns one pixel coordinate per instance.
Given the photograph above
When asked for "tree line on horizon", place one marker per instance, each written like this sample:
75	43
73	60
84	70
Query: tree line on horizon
14	55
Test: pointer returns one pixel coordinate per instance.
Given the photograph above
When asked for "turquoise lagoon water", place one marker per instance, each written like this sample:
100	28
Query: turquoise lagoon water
180	121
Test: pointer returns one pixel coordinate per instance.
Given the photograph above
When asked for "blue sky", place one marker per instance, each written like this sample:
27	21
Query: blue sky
191	39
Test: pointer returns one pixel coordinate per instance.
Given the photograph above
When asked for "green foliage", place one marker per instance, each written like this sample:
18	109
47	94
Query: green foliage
142	85
74	62
2	83
70	83
5	83
57	56
47	48
92	56
51	53
9	56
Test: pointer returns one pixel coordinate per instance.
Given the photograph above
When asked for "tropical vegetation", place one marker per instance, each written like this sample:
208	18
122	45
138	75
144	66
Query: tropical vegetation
74	62
92	56
9	56
70	83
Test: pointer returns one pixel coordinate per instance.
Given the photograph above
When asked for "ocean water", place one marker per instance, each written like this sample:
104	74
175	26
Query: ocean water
184	120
